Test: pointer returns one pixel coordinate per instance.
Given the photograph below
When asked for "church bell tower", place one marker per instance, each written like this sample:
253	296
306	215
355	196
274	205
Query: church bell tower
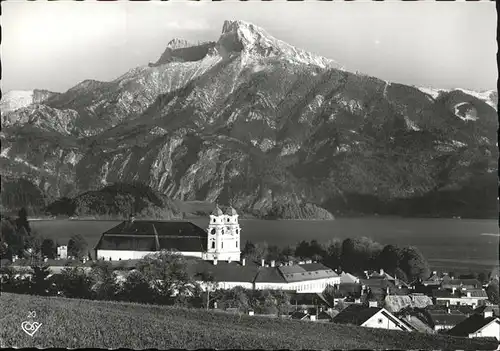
223	235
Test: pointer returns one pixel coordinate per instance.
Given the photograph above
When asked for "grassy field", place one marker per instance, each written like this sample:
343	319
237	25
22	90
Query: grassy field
71	323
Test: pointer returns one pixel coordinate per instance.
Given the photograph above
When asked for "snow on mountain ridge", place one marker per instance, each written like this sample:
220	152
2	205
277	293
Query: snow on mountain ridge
16	99
488	96
243	36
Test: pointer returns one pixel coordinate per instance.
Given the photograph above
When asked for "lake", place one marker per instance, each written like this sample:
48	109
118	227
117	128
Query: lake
457	245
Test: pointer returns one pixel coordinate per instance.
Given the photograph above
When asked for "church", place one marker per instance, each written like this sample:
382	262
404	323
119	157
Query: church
214	251
134	239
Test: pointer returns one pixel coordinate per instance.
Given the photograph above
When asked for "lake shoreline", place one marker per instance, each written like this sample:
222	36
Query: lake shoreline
384	217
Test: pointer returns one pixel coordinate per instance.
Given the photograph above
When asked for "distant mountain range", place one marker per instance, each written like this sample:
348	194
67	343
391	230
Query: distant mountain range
254	121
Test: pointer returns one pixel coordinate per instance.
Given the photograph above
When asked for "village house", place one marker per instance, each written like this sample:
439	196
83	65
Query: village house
478	325
300	278
371	317
300	315
347	278
463	296
494	309
445	320
314	314
450	283
416	319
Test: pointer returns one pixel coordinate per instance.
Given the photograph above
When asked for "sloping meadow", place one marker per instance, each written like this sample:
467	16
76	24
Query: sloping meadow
70	323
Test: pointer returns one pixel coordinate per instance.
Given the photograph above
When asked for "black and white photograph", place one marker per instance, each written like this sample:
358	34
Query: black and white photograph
186	174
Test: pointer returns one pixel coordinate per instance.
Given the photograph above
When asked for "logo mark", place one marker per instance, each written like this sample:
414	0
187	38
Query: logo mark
30	328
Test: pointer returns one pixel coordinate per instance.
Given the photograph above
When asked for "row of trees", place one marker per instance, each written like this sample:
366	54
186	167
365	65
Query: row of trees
17	239
354	255
160	278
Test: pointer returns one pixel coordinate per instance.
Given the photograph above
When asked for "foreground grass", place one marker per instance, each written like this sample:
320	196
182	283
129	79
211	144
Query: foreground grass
72	323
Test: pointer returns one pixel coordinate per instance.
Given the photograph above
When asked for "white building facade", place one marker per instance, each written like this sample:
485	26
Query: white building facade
223	236
492	329
383	319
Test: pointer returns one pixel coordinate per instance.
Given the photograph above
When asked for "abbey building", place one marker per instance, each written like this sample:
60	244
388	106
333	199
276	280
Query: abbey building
134	239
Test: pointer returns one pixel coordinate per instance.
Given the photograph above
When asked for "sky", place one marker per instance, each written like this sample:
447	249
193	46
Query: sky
55	45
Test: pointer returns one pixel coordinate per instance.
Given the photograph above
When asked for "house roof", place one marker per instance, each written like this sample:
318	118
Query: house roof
490	308
434	277
472	325
224	271
355	314
384	275
347	278
376	283
154	236
325	315
269	275
444	293
460	282
452	318
349	289
307	299
162	228
299	315
417	324
303	272
465	309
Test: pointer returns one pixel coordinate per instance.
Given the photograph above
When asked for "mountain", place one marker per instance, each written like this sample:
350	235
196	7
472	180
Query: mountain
253	121
488	96
17	99
118	200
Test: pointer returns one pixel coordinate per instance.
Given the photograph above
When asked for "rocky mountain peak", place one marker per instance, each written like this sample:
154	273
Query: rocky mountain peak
240	36
177	43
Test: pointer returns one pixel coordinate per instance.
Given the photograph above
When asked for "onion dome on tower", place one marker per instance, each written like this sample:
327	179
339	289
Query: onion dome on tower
217	211
231	211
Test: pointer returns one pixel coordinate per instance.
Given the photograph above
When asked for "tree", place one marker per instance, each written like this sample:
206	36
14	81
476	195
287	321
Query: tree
11	281
330	293
33	242
103	278
333	253
12	239
74	282
414	263
273	253
77	246
237	297
48	248
22	221
210	284
264	302
256	252
248	248
492	291
303	250
390	258
166	272
494	273
282	302
401	275
136	288
359	254
287	253
40	284
482	277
